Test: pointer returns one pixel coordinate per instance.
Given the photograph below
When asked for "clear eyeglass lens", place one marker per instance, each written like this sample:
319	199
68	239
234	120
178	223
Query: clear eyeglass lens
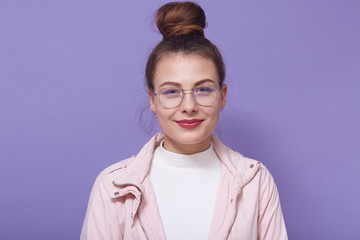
204	95
170	97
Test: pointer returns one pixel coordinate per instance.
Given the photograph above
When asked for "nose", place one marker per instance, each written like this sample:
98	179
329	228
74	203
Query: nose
188	102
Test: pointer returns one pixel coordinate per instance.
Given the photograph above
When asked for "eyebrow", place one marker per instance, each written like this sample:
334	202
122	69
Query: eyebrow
179	85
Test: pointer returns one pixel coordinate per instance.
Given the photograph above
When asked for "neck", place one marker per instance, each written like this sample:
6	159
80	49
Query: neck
176	147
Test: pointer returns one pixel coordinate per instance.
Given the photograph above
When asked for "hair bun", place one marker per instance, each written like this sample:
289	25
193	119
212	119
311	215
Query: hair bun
180	18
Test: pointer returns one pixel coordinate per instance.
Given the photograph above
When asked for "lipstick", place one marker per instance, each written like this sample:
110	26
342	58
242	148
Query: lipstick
189	123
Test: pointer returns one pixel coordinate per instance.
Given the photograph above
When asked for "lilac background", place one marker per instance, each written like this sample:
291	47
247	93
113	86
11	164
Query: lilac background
71	92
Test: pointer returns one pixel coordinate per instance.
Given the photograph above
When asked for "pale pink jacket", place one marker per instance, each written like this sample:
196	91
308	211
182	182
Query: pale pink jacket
122	204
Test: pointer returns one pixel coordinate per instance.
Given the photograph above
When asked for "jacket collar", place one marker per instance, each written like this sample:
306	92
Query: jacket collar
139	168
131	181
241	168
132	178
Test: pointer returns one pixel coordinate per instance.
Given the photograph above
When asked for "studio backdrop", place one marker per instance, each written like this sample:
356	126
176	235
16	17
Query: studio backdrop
73	101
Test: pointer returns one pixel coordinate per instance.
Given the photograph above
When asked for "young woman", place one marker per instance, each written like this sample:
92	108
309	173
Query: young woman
184	183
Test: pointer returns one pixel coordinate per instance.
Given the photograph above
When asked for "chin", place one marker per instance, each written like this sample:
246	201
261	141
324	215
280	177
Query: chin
191	137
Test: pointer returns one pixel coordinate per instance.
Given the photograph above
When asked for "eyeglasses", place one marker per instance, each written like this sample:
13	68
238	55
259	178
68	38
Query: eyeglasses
204	95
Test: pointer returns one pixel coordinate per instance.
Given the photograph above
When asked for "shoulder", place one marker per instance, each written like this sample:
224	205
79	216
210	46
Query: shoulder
235	161
241	162
106	177
247	168
118	167
248	164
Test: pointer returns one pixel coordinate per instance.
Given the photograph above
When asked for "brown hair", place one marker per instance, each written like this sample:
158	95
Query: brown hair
182	26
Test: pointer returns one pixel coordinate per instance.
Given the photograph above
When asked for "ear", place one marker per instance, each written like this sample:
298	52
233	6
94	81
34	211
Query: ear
152	101
223	96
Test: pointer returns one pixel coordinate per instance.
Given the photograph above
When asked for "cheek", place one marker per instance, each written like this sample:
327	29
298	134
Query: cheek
216	115
212	114
164	116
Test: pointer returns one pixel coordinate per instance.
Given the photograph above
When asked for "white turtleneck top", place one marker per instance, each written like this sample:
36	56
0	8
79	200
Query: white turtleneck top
185	188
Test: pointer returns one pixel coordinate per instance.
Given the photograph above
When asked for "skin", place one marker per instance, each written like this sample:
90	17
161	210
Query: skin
186	70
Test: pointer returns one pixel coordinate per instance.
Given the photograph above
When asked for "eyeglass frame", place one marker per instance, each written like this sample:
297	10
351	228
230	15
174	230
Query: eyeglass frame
183	92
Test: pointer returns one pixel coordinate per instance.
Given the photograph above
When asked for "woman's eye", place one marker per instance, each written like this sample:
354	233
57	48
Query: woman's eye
204	89
171	91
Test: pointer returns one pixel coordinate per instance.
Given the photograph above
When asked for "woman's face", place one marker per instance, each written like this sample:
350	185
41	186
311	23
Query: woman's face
188	127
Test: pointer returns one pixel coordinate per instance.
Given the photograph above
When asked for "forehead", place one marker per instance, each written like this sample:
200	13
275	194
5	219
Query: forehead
186	70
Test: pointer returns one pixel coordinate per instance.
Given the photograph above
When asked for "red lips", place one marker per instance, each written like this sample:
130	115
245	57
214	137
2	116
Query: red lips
189	123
